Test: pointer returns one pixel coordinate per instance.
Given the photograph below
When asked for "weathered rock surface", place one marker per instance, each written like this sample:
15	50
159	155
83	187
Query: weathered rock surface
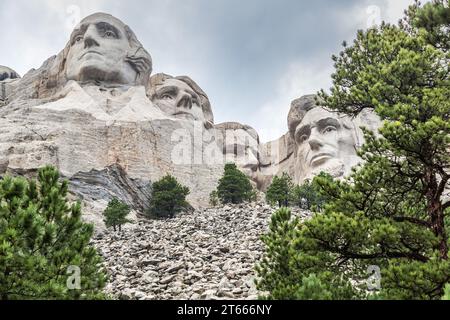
7	77
206	254
7	73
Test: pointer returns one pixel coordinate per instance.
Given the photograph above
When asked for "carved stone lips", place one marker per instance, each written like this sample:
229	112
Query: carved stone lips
88	52
182	112
321	157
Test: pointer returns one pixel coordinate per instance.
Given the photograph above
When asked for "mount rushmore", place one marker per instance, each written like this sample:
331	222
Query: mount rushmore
96	112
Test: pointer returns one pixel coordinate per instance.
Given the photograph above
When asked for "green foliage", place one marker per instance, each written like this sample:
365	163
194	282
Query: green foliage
391	211
234	187
41	236
279	191
214	198
309	196
116	214
312	288
168	198
446	292
289	257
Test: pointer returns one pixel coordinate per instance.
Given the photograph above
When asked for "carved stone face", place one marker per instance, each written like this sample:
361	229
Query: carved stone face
98	50
323	143
242	148
175	98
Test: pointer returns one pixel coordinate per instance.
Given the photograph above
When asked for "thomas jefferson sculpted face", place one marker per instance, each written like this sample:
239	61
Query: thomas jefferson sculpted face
102	48
176	98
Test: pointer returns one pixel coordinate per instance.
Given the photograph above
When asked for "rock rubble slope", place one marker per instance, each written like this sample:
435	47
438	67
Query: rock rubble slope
203	255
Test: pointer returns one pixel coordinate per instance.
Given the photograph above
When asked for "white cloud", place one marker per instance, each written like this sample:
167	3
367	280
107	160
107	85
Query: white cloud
308	77
301	78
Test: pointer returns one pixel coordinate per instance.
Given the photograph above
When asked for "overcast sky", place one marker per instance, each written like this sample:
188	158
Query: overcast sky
252	57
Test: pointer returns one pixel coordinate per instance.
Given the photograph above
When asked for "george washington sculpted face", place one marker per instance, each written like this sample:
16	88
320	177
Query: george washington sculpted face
102	48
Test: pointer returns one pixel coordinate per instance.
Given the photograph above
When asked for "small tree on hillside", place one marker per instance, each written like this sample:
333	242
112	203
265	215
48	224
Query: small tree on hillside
116	214
234	187
168	198
280	190
214	198
43	241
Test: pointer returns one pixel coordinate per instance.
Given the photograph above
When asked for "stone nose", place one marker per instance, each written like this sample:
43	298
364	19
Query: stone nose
90	37
185	102
315	140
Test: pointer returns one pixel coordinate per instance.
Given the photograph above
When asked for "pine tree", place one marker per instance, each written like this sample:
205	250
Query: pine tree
308	196
41	238
391	212
234	187
279	191
116	214
288	273
168	198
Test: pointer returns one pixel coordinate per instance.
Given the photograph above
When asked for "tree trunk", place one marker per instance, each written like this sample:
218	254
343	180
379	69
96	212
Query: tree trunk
435	211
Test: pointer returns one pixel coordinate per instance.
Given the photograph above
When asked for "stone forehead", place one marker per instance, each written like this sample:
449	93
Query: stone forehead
318	113
174	82
299	108
228	126
104	17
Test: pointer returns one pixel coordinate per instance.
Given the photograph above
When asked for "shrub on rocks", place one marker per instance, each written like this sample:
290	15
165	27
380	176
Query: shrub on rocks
214	199
234	187
116	214
168	198
280	190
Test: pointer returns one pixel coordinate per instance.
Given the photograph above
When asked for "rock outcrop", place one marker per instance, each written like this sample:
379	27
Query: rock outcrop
87	110
8	74
95	112
7	77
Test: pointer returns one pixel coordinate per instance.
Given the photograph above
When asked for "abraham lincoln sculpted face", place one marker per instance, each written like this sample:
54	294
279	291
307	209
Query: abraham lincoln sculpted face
102	48
325	141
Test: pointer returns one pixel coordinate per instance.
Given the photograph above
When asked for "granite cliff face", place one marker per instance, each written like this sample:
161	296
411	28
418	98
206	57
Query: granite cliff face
95	112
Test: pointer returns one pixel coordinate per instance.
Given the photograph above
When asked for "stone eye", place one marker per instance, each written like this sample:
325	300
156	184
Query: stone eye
166	97
78	38
303	138
329	129
109	34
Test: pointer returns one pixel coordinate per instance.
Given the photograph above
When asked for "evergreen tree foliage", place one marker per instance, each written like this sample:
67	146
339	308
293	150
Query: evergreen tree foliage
309	196
446	292
115	215
392	211
289	272
279	191
214	199
168	198
234	187
41	238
